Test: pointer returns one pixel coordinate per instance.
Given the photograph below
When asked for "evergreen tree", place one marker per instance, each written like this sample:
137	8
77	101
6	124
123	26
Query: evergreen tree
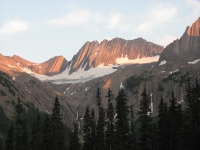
192	116
109	143
163	125
154	136
74	139
145	142
100	128
57	131
175	124
133	140
37	136
93	138
1	143
47	132
122	122
9	143
87	130
21	131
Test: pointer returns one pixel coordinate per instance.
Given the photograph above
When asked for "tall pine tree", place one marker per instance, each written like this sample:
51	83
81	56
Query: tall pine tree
21	131
163	125
122	122
100	128
93	138
192	116
175	124
133	140
145	141
37	142
74	139
87	130
9	143
109	143
46	130
57	131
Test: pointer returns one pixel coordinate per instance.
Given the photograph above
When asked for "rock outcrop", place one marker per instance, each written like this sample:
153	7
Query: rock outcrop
185	47
106	52
53	66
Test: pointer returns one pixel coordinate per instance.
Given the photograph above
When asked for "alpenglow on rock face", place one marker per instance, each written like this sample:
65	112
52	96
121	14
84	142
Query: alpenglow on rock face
15	65
185	47
106	52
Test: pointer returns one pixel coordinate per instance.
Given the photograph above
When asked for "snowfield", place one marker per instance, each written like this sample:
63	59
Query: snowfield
125	60
82	76
194	62
163	62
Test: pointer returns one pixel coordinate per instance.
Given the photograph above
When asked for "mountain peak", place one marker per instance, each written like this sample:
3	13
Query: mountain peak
194	30
93	54
185	47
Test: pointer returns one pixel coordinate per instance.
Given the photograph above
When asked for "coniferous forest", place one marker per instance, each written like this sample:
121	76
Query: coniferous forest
116	127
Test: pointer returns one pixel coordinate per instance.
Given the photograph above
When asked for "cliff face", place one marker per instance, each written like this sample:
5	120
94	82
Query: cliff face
185	47
106	52
15	65
53	66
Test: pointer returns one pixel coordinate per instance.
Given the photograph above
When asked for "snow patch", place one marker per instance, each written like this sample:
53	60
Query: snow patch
194	62
151	105
11	66
162	71
176	70
125	60
79	76
115	116
125	44
171	72
77	115
121	86
163	62
180	102
87	88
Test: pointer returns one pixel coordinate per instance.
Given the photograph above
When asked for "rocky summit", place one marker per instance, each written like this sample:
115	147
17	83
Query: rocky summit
187	47
16	65
106	52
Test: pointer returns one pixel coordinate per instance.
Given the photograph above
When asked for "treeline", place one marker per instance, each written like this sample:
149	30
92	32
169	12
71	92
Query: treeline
176	127
47	133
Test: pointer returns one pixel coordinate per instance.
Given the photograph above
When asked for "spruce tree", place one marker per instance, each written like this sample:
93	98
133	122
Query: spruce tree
145	141
154	136
133	140
37	142
122	122
175	124
74	139
57	131
163	125
1	143
9	143
46	128
21	131
93	138
87	130
109	142
100	128
192	116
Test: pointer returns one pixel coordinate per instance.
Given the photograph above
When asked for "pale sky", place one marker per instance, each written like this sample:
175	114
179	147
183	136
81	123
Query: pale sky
38	30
